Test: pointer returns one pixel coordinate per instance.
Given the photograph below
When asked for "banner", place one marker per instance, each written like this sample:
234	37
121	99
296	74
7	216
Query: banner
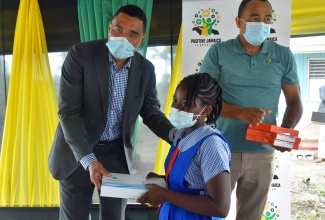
212	21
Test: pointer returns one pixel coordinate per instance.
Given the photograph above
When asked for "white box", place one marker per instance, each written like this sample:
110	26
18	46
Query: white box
127	186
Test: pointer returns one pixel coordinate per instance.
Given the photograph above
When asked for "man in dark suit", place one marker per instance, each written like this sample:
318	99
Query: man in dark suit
103	89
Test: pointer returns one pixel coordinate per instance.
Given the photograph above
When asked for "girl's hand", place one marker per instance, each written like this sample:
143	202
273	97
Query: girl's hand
155	196
152	174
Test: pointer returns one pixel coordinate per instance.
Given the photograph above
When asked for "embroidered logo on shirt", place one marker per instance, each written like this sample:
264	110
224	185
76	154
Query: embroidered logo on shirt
269	61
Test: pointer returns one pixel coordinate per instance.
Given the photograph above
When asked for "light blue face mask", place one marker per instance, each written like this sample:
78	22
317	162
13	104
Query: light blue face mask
256	32
182	119
120	47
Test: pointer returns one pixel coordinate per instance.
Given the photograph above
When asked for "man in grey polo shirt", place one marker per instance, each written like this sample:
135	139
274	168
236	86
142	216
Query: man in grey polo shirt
252	72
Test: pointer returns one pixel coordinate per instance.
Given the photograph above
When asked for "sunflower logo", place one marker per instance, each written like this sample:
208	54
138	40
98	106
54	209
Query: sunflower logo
205	21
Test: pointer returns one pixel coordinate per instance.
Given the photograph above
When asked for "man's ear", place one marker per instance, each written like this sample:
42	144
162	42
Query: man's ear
237	20
109	27
142	39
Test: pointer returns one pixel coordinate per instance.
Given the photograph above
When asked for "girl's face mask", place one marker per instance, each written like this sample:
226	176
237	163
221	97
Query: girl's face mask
182	119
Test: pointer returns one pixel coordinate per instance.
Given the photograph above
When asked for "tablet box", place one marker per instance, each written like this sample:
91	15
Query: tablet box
274	135
271	141
318	117
276	129
127	186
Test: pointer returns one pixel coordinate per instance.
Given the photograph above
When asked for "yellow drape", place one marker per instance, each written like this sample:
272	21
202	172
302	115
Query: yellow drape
307	17
31	118
176	77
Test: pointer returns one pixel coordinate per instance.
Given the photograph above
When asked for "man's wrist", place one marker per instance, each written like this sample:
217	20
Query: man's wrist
88	159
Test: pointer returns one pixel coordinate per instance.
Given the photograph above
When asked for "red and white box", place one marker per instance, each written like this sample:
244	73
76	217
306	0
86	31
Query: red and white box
274	135
273	142
276	129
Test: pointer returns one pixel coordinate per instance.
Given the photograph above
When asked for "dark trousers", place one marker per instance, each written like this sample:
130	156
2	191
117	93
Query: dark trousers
76	191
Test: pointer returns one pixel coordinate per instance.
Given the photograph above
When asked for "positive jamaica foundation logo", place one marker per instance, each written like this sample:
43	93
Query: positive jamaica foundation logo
197	68
271	211
276	179
272	31
205	23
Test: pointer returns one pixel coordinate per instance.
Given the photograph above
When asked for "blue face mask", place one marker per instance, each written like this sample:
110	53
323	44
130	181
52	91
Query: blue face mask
256	32
182	119
120	47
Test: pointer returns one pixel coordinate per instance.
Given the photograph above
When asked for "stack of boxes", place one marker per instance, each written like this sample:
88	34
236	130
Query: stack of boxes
274	135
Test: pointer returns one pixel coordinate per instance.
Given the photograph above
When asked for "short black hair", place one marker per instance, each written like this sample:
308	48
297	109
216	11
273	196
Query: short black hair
243	5
133	11
207	89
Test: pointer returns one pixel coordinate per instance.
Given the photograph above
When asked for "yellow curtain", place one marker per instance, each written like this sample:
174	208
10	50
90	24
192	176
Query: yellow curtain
176	77
307	17
31	118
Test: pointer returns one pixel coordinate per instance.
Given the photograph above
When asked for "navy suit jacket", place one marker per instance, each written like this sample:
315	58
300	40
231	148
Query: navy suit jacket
83	105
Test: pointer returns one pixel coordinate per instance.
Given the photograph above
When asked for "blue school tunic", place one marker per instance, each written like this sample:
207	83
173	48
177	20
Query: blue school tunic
176	181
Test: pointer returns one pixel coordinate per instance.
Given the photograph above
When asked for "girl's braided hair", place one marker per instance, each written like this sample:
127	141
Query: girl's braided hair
207	89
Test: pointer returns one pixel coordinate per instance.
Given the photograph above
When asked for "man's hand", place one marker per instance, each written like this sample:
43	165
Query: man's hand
282	149
253	115
96	170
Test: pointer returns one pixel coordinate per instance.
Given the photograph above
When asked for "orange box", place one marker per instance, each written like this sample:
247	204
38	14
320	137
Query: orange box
271	141
274	135
276	129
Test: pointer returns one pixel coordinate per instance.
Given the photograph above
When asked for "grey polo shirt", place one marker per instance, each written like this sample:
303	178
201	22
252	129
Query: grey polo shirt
249	81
